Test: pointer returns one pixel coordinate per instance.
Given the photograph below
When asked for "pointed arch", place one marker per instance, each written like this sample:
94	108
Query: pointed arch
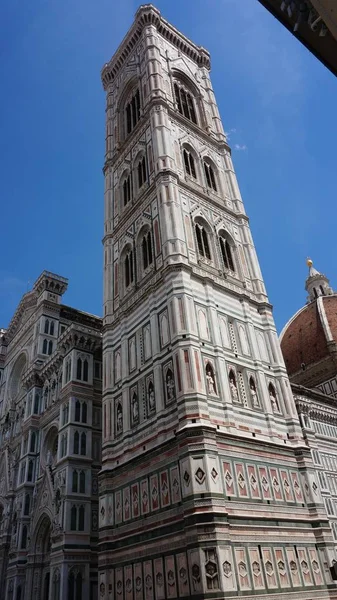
186	96
203	237
227	248
210	173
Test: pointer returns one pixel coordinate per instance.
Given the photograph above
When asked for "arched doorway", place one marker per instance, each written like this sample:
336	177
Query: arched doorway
42	547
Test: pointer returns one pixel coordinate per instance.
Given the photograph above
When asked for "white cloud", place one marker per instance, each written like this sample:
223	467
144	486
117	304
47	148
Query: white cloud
229	133
240	147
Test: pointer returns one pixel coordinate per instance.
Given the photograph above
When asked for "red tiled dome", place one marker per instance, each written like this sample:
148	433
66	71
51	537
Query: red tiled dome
303	341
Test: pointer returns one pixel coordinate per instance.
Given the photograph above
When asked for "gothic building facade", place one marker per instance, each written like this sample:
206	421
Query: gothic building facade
50	446
207	486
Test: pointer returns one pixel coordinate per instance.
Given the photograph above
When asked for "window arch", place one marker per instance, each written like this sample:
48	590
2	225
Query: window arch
226	247
132	111
147	250
73	518
83	443
50	347
46	326
141	171
27	505
189	163
84	412
78	373
32	442
82	482
78	408
128	268
30	470
76	442
45	347
126	188
85	370
52	328
202	240
36	404
24	537
185	101
75	482
210	175
81	518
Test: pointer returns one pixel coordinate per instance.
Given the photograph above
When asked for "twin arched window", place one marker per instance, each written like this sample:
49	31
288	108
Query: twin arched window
47	347
82	369
49	327
77	519
132	112
203	243
185	102
80	411
78	484
189	159
77	443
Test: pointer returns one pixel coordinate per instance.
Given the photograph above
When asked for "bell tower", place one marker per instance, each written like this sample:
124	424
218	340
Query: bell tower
206	481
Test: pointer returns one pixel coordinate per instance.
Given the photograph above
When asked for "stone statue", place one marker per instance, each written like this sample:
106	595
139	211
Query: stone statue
253	394
135	409
119	419
233	388
210	380
170	385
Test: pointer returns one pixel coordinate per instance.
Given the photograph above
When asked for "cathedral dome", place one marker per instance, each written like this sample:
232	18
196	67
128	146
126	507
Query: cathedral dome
309	339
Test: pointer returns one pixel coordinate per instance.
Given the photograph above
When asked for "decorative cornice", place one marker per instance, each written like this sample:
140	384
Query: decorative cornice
149	15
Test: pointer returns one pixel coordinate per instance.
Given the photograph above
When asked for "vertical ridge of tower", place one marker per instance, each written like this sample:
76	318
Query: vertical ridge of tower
204	467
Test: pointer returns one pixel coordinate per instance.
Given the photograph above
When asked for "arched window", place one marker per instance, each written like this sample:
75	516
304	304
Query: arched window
79	370
77	410
85	370
45	347
84	412
189	163
76	442
147	250
30	470
81	518
128	268
141	172
210	177
315	293
50	347
322	290
202	241
75	481
27	505
132	112
46	326
185	102
226	252
36	404
52	327
73	518
127	190
24	537
83	444
82	482
32	442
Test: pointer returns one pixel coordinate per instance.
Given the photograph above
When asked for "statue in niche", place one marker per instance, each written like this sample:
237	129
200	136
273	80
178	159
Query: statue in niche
151	397
119	418
233	387
135	408
210	378
253	393
117	365
170	387
273	399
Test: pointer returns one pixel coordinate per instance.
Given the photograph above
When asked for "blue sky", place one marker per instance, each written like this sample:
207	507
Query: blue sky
276	100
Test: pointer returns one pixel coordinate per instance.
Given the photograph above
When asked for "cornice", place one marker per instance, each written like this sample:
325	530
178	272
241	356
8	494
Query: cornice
149	15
